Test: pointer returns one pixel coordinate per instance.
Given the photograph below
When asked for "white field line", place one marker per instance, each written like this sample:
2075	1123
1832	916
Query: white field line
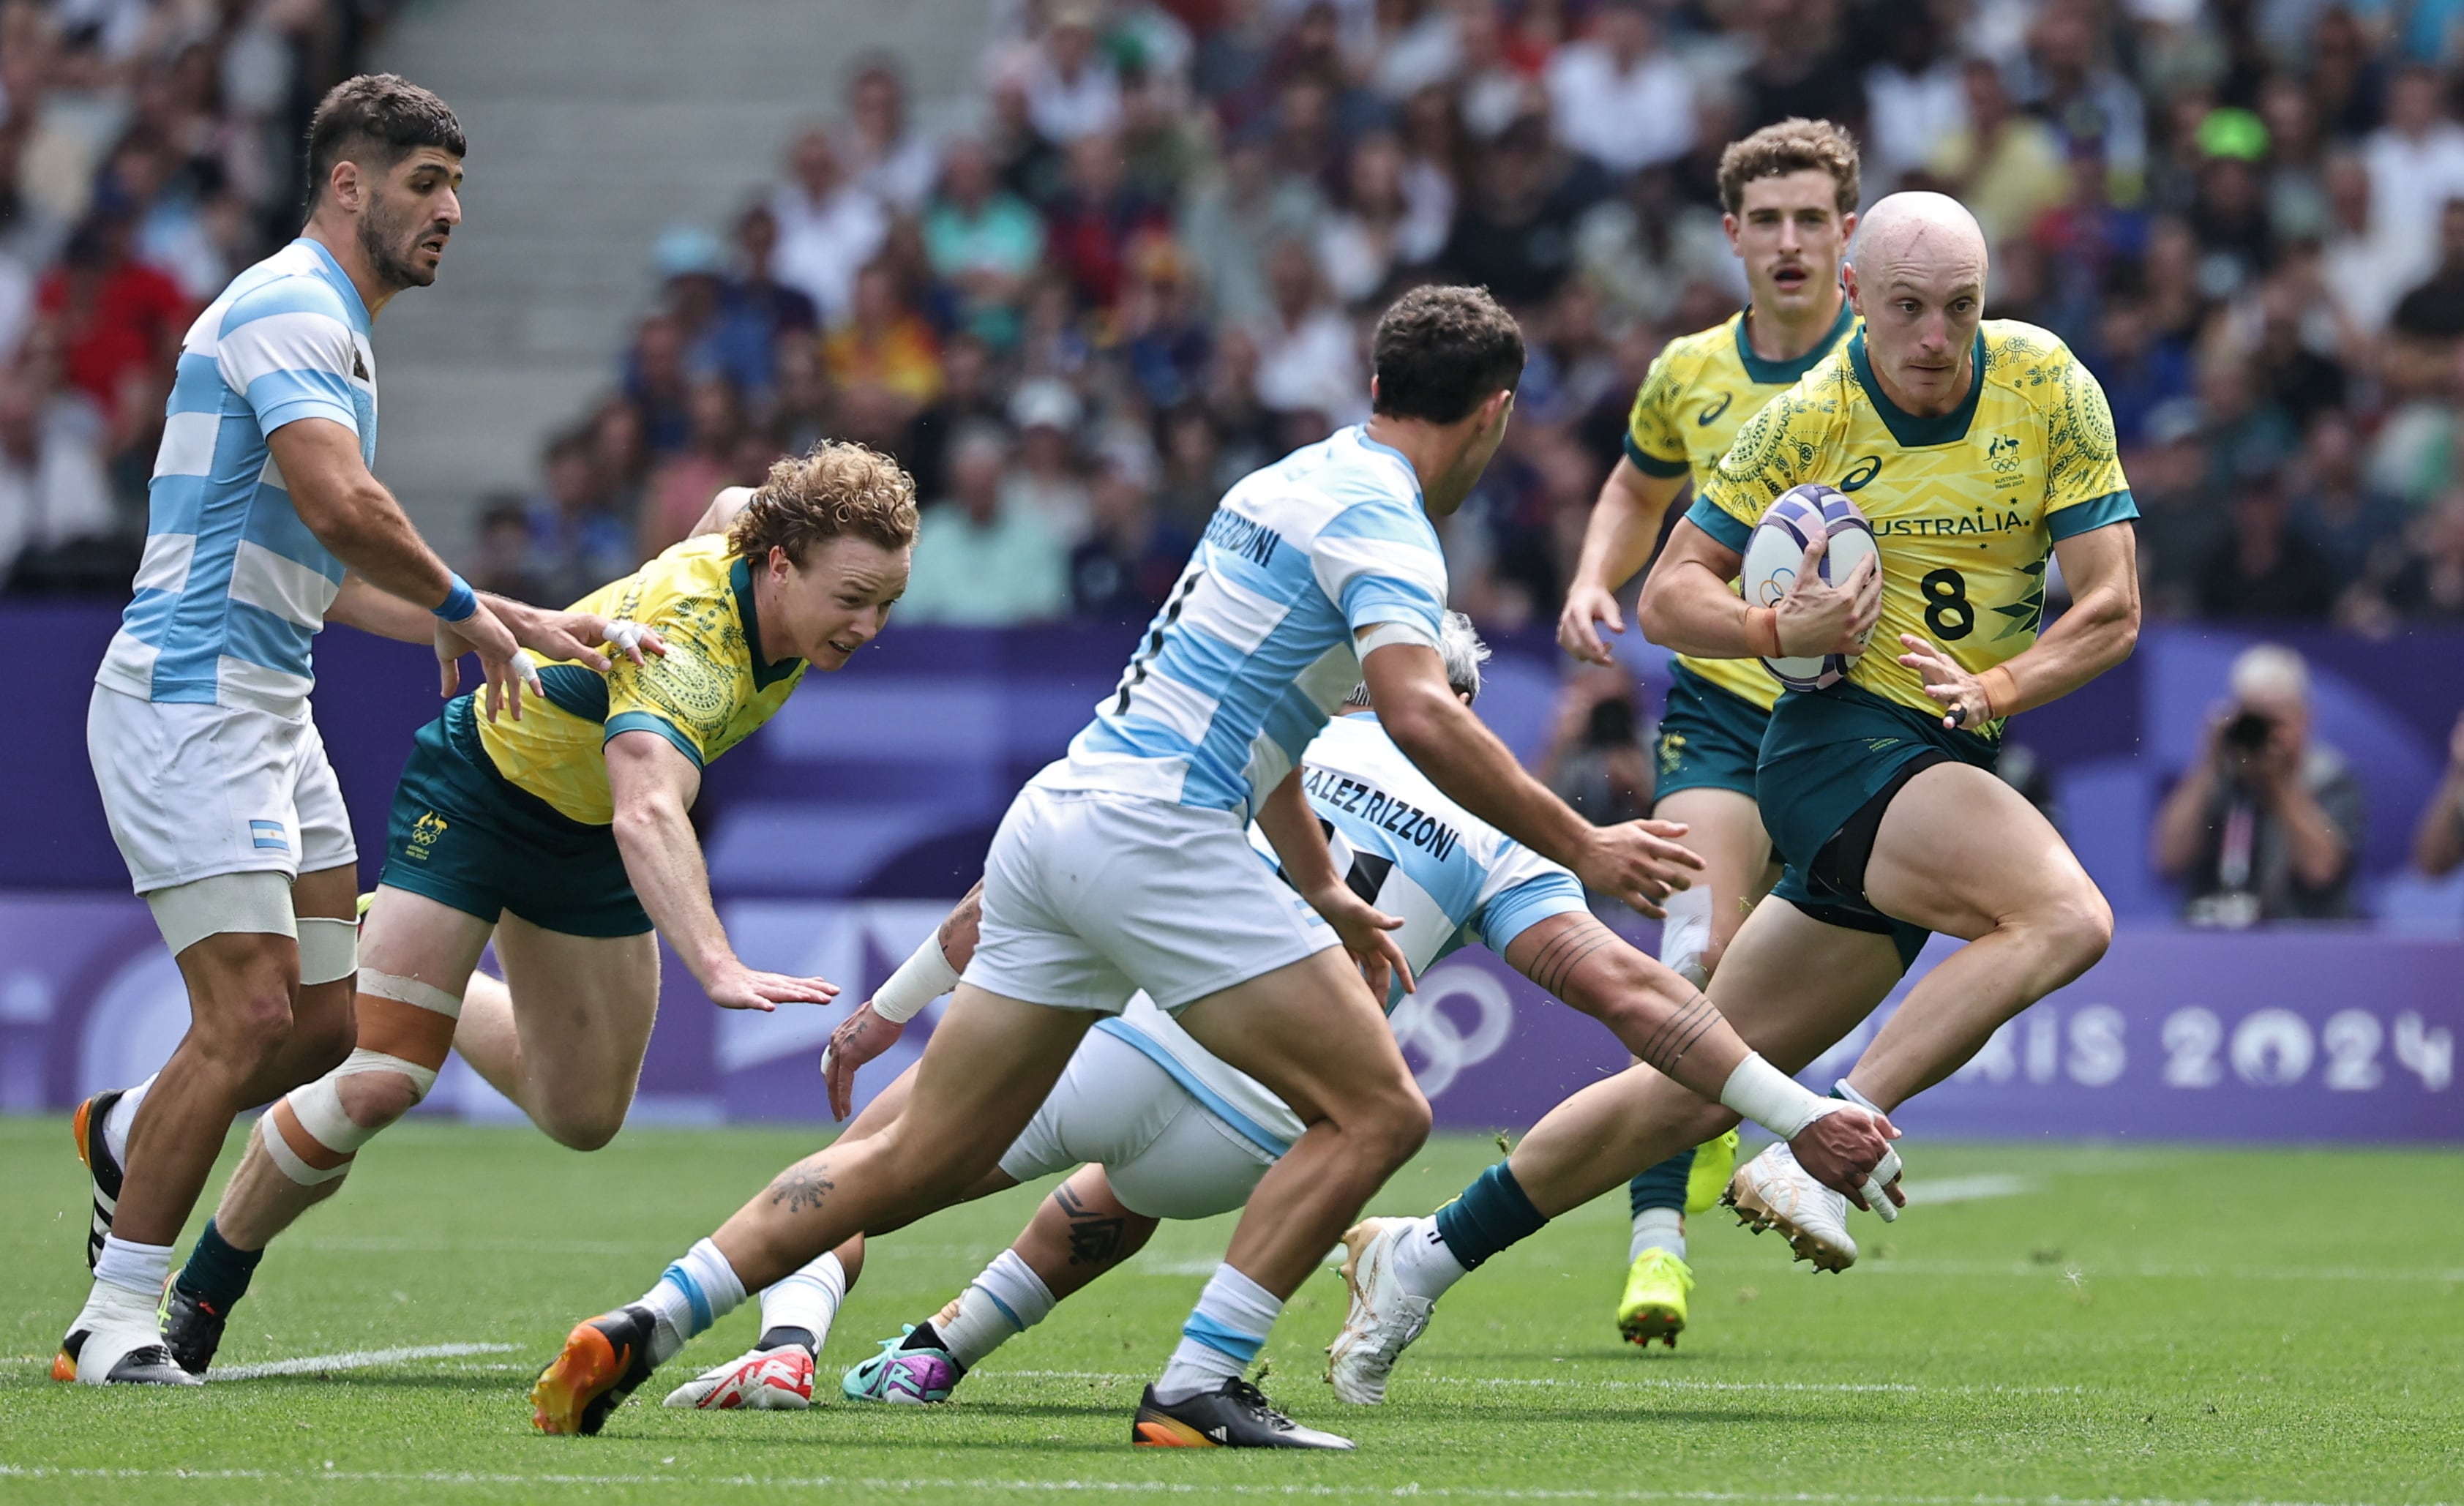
986	1485
1969	1189
1672	1383
2069	1270
354	1360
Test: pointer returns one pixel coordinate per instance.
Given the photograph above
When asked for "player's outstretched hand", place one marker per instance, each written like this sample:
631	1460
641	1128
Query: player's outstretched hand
576	637
1369	934
739	987
1849	1150
1640	862
506	669
1587	609
1960	695
860	1038
1817	618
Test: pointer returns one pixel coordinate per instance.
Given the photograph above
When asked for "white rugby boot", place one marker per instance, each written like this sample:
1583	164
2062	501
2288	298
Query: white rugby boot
777	1380
1383	1317
1773	1192
117	1341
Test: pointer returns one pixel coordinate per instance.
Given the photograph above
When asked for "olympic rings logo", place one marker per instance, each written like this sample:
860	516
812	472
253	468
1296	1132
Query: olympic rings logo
1422	1026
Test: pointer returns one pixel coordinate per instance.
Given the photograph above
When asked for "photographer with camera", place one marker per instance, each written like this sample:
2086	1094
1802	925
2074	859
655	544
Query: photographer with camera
1596	760
2265	825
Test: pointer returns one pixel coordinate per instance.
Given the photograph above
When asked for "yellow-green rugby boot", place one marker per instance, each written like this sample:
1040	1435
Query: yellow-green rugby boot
1654	1304
1715	1161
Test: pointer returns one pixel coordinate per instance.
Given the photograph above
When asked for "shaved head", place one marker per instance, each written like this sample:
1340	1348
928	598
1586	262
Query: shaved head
1916	275
1934	229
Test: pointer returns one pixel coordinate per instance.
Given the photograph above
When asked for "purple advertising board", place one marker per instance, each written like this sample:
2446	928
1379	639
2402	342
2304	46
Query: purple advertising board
2176	1035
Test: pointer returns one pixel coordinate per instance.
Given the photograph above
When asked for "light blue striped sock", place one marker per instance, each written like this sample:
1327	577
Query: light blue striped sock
692	1294
1223	1334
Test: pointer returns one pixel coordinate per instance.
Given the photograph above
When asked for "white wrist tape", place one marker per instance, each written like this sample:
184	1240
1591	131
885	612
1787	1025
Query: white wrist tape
1770	1097
919	981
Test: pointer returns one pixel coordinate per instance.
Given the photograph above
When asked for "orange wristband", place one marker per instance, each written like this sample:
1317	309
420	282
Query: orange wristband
1763	623
2001	692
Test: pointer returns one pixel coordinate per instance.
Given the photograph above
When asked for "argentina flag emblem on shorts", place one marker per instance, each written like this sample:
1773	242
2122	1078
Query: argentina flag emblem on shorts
270	834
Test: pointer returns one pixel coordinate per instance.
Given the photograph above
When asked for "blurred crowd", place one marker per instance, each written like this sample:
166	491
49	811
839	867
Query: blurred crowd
1151	262
149	149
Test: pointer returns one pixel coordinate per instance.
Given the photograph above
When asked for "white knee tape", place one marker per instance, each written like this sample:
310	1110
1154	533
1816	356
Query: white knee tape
1687	933
318	1107
287	1160
329	949
410	991
188	913
362	1060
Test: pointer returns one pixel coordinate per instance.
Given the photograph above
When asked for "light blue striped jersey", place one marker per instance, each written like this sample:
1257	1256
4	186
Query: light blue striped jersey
1408	849
233	587
1254	649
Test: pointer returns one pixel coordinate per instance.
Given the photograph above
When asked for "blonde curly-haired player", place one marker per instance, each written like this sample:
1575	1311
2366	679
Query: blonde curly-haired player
563	838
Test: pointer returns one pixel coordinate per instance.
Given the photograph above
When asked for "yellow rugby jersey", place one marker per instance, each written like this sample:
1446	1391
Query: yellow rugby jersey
1700	389
706	696
1966	508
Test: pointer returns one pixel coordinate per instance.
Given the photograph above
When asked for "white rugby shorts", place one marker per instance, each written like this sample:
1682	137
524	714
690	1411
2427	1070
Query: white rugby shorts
1165	1155
1090	897
195	791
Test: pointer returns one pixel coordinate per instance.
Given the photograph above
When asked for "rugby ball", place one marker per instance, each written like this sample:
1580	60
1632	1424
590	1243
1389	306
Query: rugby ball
1777	549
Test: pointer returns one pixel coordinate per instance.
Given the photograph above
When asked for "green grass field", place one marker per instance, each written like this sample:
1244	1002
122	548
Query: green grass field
2076	1325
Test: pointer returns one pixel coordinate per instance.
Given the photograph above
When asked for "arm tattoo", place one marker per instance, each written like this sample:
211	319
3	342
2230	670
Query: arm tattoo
1094	1239
1566	952
800	1190
1677	1035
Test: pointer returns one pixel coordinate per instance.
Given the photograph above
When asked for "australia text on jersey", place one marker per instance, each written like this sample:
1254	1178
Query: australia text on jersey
1406	821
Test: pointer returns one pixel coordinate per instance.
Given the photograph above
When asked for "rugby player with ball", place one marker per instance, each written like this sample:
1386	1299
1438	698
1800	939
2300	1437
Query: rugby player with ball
1988	452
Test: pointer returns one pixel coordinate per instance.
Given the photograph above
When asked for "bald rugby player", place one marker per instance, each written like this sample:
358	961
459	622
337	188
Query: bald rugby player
1992	451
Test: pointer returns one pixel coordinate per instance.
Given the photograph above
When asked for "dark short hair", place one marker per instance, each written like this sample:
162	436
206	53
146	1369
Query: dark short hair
377	120
1440	352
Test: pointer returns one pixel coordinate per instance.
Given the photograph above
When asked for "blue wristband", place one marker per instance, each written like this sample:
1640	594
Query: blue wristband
460	603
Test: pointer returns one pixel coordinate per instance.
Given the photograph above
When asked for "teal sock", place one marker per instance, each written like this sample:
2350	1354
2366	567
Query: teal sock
217	1273
1663	1185
1491	1214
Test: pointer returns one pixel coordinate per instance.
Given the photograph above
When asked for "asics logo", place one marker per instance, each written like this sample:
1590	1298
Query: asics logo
1866	470
1710	415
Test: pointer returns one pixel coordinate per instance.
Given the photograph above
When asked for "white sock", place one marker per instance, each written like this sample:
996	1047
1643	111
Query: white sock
1006	1300
1423	1263
1224	1332
132	1267
1657	1229
124	1114
807	1299
112	1308
692	1294
1687	933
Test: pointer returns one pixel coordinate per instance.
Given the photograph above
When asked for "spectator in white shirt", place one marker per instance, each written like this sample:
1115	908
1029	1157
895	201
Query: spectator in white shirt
984	559
829	227
1072	88
1307	356
53	488
1618	98
1913	99
889	158
2416	163
2364	273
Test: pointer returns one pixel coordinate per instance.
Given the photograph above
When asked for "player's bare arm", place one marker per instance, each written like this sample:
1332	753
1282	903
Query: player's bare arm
876	1026
1639	861
1674	1029
2101	567
562	636
1686	604
653	786
353	514
1616	543
1300	841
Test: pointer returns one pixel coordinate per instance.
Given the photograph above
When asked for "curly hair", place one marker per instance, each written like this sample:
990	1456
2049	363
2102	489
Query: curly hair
1441	351
836	489
1795	144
